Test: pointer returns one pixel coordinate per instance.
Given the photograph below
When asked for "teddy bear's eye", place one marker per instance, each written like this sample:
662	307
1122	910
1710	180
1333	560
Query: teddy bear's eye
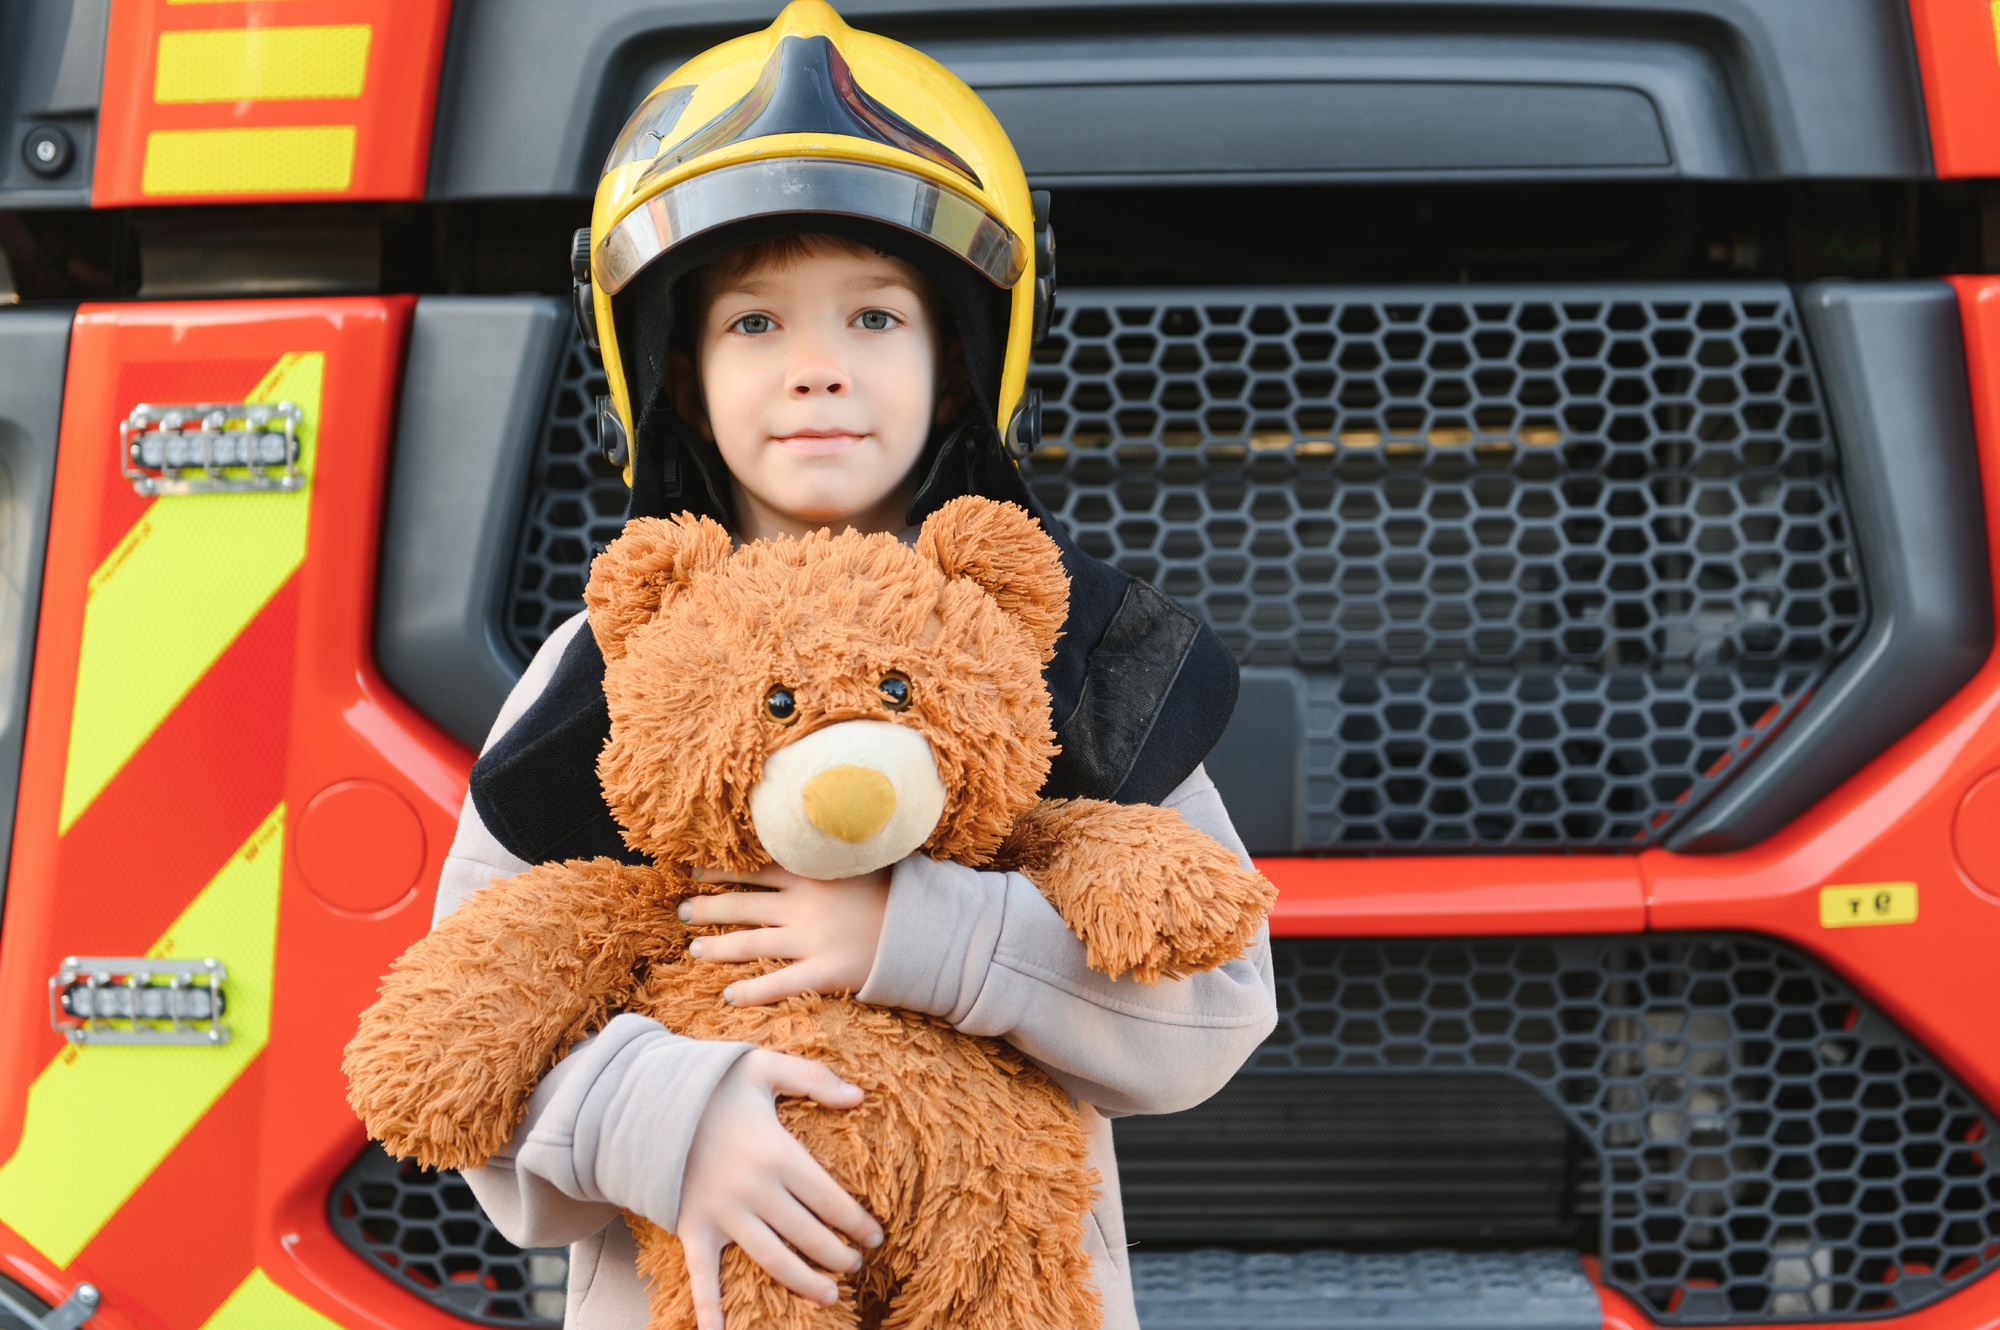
895	690
780	706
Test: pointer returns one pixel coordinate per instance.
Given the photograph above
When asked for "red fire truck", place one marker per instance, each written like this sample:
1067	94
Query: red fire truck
1582	417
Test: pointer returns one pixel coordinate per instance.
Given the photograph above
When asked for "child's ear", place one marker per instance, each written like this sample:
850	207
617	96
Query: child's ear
642	570
684	389
954	384
1004	551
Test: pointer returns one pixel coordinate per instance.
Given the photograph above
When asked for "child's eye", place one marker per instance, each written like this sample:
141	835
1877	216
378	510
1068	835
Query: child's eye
752	324
877	320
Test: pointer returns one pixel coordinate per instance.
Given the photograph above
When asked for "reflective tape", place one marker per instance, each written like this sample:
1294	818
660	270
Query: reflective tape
292	159
100	1119
182	584
262	64
259	1304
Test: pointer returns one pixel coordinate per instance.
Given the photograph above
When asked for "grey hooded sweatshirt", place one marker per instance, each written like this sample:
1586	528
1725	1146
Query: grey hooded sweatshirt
609	1127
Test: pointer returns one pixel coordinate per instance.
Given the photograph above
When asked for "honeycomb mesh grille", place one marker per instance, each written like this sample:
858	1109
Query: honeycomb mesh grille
576	503
1552	563
1771	1146
1551	566
425	1230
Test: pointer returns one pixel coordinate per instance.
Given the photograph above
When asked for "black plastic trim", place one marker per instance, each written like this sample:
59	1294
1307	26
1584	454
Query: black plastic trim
478	374
533	95
34	350
1892	365
51	73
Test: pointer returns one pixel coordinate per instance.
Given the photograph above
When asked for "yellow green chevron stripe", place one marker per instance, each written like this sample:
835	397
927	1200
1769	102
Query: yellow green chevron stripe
101	1118
185	580
259	1304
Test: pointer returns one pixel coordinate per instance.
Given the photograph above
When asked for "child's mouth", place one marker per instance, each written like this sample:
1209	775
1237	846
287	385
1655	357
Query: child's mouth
818	443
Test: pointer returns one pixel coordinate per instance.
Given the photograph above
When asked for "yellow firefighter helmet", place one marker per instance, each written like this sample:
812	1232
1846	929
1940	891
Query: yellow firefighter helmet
811	125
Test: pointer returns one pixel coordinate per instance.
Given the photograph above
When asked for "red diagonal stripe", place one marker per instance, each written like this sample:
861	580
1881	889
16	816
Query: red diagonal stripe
183	804
183	1242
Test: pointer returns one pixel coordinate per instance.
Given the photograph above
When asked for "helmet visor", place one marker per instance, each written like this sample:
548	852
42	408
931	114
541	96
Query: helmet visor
808	185
649	126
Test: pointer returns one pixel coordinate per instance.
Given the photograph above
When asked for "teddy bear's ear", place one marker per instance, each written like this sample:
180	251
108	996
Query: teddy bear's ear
643	569
1003	550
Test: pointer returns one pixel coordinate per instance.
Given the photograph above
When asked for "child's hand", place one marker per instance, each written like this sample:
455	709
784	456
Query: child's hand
749	1181
828	930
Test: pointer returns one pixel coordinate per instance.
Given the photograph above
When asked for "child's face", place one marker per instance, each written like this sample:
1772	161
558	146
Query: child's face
818	385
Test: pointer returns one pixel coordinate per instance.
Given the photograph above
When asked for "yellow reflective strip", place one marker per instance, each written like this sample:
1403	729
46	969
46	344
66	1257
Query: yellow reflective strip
174	594
262	64
100	1119
259	1304
1995	8
315	158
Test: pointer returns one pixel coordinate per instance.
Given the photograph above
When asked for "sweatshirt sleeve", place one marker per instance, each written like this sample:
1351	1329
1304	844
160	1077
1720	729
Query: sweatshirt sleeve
988	953
607	1130
609	1127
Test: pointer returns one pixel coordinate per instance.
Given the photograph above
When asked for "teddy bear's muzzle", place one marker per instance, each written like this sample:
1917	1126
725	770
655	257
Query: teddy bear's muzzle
848	799
852	803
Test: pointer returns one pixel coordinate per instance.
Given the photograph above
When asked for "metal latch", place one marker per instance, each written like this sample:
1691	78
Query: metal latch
71	1312
211	448
138	1000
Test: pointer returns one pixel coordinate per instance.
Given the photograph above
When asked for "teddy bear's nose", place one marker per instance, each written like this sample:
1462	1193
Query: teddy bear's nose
852	803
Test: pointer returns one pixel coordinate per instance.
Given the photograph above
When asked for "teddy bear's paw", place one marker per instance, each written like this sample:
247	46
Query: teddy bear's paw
475	1013
1148	894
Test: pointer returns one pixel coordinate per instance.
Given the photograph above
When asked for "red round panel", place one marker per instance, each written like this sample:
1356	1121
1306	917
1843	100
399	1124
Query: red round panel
1975	834
360	846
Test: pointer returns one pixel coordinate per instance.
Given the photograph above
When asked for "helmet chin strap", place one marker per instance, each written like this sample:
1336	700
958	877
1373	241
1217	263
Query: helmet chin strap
675	470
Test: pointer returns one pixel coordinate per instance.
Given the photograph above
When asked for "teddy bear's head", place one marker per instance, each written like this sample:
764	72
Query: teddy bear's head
832	703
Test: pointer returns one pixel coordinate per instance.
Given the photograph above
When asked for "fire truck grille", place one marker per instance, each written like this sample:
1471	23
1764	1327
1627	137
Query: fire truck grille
1551	564
424	1229
1768	1146
1736	1135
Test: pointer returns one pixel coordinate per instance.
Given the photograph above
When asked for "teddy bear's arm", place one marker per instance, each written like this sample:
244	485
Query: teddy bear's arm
476	1012
1146	892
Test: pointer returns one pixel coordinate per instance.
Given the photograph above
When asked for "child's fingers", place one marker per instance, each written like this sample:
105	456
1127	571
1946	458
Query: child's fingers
815	1188
773	987
802	1078
702	1251
764	1247
749	944
744	907
812	1239
769	876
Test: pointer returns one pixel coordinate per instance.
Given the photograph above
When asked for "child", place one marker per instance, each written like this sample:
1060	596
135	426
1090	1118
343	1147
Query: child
793	365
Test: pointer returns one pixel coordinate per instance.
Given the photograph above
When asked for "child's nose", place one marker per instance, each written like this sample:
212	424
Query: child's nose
816	372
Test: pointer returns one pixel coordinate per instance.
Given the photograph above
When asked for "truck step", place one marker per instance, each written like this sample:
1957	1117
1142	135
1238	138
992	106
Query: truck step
1218	1289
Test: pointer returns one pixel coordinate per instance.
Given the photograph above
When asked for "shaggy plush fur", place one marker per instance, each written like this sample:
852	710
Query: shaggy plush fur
971	1158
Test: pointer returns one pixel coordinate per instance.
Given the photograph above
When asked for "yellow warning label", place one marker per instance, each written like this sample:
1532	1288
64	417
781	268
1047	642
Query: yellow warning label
1868	903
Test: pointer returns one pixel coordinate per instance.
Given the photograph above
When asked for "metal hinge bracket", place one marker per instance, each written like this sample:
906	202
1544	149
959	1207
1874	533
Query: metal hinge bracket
71	1312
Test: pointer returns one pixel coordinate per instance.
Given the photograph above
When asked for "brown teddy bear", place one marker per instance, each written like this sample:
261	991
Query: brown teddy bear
832	703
